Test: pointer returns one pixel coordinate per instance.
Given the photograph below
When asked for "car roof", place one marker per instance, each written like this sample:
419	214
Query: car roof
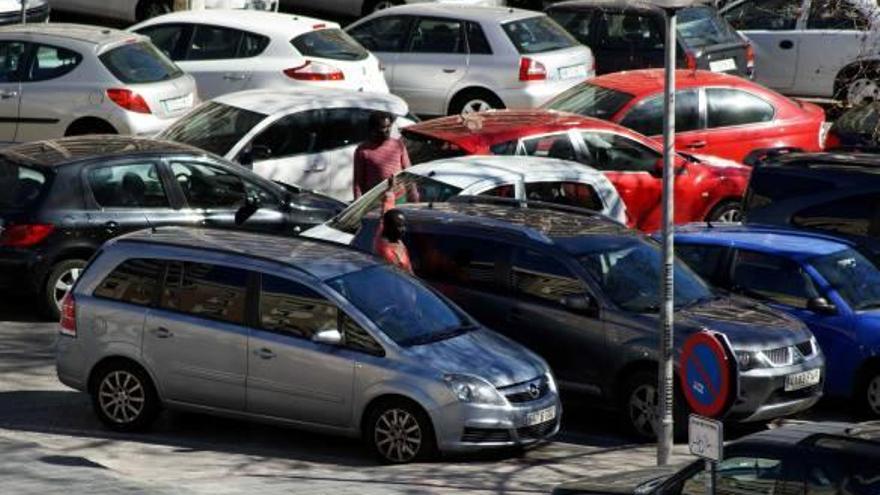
496	126
79	32
463	172
321	259
55	152
810	433
274	24
835	161
287	100
478	13
768	239
649	81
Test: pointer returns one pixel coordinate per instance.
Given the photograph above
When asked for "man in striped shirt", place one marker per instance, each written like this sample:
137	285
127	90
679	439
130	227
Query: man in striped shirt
380	157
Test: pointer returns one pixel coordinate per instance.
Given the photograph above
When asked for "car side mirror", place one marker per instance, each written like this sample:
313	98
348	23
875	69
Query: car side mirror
329	337
582	303
250	206
822	306
658	168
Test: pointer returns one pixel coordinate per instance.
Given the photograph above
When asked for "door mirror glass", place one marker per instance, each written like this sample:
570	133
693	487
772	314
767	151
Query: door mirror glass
329	337
581	303
822	306
252	203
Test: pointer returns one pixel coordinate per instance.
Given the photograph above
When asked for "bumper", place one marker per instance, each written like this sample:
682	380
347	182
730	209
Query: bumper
535	94
462	427
21	271
762	394
140	124
70	362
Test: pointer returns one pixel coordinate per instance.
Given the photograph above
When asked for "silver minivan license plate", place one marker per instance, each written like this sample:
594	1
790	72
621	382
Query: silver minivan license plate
542	416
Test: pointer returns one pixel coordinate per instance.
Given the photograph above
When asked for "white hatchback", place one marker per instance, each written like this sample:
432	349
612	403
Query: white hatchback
229	51
305	137
513	177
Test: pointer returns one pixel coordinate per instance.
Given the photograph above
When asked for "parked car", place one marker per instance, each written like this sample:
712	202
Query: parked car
858	127
821	280
319	348
303	136
524	179
247	49
835	192
359	8
35	11
716	114
141	10
631	34
706	187
581	290
69	79
65	197
827	457
445	59
819	48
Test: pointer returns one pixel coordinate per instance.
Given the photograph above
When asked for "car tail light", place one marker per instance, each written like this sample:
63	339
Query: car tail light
690	61
314	71
25	235
531	70
128	100
750	59
68	315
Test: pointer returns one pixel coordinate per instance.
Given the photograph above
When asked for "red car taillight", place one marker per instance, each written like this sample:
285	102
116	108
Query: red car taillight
750	59
531	70
314	71
68	315
25	235
128	100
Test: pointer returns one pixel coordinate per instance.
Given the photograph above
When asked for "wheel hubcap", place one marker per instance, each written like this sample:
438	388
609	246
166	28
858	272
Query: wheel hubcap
862	91
731	215
63	284
874	395
475	106
121	396
398	435
643	410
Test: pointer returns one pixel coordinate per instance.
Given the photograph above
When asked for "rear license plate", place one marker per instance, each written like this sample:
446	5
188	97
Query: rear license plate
542	416
803	379
722	65
573	71
177	104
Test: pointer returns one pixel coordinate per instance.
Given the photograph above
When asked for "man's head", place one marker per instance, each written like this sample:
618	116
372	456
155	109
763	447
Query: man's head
380	126
393	225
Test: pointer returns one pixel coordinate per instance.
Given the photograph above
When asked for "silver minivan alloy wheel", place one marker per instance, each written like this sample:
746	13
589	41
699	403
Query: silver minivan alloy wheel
872	395
121	396
642	409
397	435
64	283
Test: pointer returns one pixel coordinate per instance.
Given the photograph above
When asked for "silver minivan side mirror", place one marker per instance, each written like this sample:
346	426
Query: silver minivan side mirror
330	337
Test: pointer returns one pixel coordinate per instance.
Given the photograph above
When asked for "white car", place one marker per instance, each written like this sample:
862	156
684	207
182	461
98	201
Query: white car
450	59
358	8
35	11
814	48
229	51
305	137
525	178
67	79
140	10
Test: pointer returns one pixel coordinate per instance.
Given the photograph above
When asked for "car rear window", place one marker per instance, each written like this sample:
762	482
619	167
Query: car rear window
699	27
334	44
591	101
213	127
22	186
423	148
769	185
139	63
538	34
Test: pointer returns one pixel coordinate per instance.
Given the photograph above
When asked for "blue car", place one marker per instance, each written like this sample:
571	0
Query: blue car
820	279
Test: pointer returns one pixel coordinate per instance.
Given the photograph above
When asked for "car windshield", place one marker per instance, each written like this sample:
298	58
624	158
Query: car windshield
628	270
408	188
21	185
403	309
329	43
421	148
856	279
591	101
699	27
213	127
538	34
137	63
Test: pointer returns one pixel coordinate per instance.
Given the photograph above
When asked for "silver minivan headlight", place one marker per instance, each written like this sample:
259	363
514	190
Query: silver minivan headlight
473	389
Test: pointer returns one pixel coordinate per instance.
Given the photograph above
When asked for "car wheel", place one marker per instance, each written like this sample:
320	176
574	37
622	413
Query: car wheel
85	127
469	102
726	212
862	89
124	398
147	9
377	5
641	405
869	403
400	432
60	280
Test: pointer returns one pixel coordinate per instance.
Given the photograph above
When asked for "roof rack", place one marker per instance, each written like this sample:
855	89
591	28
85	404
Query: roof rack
530	204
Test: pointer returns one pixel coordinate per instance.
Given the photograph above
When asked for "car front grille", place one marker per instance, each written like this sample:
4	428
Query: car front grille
526	391
539	430
485	435
779	357
806	348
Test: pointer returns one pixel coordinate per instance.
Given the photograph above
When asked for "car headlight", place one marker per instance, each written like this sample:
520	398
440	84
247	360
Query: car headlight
472	389
551	382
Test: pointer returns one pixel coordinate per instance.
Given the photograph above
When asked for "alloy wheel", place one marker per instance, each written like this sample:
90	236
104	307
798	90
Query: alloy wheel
731	215
642	409
64	284
873	395
121	396
862	90
475	106
398	435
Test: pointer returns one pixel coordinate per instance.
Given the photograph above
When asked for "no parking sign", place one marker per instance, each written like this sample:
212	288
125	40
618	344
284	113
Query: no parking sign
706	370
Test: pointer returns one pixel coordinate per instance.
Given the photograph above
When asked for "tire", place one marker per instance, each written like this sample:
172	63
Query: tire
399	432
371	6
725	212
147	9
474	100
89	126
60	280
124	398
867	398
859	86
640	407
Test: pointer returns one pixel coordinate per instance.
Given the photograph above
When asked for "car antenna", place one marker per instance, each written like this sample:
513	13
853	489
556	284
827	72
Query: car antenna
149	223
709	224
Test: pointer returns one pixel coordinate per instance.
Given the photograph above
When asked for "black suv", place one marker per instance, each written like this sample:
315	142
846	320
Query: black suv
62	199
626	35
582	291
830	192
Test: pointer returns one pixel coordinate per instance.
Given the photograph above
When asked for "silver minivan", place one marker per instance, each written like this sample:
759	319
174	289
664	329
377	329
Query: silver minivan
296	332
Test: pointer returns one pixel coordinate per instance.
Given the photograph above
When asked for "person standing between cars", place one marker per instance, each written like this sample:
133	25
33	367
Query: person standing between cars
388	243
380	156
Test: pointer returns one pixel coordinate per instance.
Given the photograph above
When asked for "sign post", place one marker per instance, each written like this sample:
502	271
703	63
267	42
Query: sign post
706	440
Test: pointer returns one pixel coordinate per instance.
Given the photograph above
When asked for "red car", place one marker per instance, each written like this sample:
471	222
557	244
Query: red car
716	114
706	188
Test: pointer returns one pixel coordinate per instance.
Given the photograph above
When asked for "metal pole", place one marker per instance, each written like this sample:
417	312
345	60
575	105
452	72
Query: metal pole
665	426
23	11
710	477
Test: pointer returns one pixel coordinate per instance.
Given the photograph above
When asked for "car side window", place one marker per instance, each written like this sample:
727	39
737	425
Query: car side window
765	15
385	34
704	259
771	278
214	43
343	127
129	185
458	260
576	22
294	309
134	281
167	38
647	116
612	152
628	31
538	277
205	186
52	62
743	475
837	15
854	215
557	146
729	107
295	134
565	193
12	55
437	36
502	191
205	290
476	40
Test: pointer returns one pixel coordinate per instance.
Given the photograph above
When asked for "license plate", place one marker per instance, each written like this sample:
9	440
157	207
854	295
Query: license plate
573	71
177	104
803	379
542	416
722	65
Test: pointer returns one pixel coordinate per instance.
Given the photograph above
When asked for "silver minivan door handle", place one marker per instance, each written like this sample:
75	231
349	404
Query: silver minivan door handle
449	71
265	353
164	333
5	95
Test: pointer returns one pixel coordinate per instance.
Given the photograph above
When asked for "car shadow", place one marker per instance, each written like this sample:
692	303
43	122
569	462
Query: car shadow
21	308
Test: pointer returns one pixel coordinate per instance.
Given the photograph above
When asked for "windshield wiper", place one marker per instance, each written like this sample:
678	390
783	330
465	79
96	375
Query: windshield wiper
441	335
